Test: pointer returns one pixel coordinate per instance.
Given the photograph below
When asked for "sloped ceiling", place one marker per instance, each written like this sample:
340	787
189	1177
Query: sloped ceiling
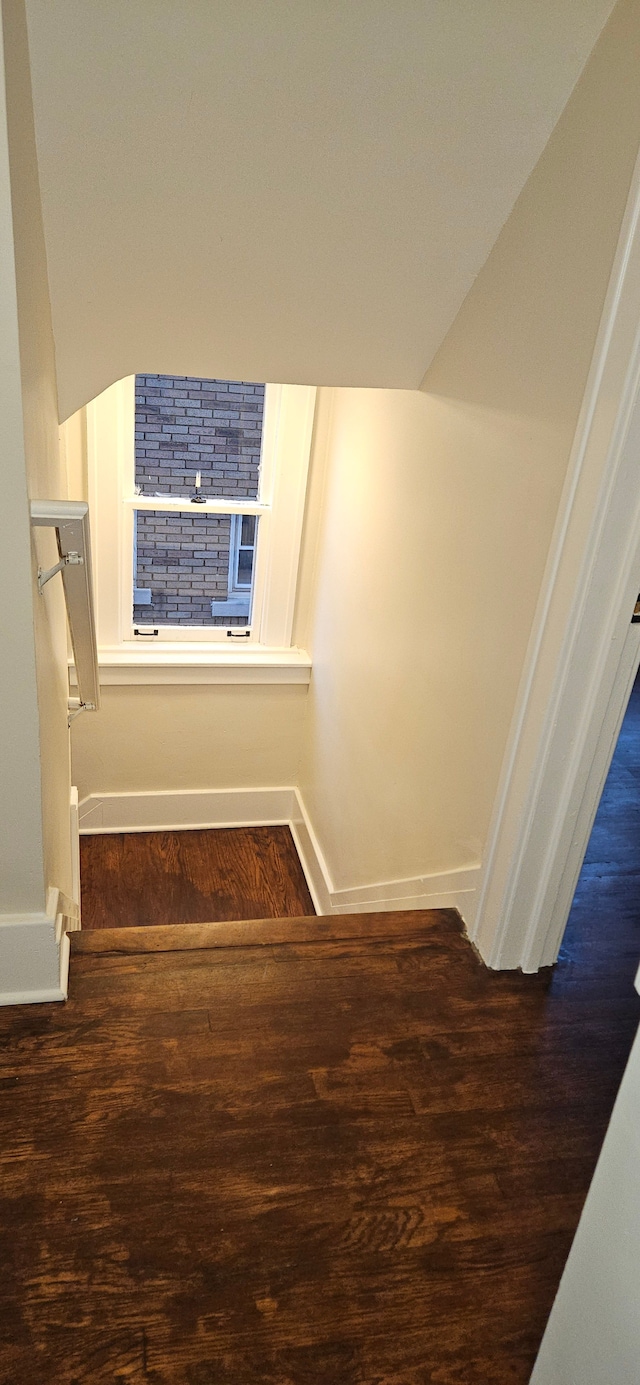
300	190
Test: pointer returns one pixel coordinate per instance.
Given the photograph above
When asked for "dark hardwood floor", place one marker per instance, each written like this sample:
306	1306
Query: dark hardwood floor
138	878
607	900
310	1151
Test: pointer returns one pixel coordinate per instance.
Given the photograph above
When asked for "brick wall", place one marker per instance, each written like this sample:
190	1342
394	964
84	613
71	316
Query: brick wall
184	425
184	559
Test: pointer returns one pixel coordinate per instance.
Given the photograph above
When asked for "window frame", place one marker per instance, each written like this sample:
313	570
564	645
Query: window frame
236	547
286	443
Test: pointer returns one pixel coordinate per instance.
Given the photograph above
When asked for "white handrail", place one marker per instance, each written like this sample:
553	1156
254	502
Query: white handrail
70	519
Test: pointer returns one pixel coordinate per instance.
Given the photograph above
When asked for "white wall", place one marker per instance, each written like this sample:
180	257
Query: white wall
73	454
198	737
149	738
34	804
22	881
428	541
427	528
46	477
593	1334
416	634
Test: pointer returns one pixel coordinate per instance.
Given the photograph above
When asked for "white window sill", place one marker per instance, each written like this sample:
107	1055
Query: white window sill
185	663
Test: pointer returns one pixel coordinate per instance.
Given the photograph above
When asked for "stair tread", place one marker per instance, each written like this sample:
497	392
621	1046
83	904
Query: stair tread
183	937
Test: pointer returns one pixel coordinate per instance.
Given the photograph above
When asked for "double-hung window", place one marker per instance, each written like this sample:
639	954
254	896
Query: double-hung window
197	491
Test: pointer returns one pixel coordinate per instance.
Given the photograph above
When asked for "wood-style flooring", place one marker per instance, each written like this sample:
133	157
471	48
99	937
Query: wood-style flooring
310	1151
353	1160
135	878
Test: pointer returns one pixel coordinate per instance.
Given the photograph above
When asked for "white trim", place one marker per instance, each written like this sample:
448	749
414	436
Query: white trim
181	505
175	810
236	546
209	808
311	857
63	975
32	920
286	443
44	996
34	953
276	576
454	889
74	821
573	689
183	665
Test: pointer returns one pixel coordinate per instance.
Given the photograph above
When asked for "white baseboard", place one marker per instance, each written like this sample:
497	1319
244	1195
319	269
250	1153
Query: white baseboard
454	889
41	997
311	858
34	956
174	810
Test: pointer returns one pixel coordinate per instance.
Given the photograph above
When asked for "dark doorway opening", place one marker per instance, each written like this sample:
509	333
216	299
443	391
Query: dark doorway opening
607	897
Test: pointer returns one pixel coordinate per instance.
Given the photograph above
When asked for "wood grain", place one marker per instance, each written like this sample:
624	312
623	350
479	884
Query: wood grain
344	1157
187	937
344	1153
135	878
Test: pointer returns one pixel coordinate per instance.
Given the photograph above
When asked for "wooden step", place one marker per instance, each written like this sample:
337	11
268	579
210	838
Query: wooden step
185	937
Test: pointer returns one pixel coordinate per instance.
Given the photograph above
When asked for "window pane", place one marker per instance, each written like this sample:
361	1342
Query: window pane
248	530
245	566
185	426
183	570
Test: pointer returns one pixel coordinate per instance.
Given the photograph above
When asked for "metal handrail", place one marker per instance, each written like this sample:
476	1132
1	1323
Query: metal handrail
70	519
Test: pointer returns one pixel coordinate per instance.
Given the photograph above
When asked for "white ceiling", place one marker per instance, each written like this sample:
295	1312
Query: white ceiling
301	190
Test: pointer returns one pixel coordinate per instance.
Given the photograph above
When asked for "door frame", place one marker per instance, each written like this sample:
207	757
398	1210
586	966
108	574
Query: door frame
582	655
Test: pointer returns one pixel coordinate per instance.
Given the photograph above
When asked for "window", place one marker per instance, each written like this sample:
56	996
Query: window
197	493
242	547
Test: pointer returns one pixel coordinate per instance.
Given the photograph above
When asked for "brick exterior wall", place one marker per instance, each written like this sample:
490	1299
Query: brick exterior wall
184	559
182	426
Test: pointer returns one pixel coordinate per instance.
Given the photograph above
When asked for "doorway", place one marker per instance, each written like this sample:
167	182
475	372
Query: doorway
583	652
607	896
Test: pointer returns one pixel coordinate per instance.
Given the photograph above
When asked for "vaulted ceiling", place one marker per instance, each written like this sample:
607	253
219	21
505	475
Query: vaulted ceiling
300	190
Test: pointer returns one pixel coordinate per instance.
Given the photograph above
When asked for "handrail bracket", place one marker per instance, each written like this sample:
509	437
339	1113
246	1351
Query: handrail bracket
73	559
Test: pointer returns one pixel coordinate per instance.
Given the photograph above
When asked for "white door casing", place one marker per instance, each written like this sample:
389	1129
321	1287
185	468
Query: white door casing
582	654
